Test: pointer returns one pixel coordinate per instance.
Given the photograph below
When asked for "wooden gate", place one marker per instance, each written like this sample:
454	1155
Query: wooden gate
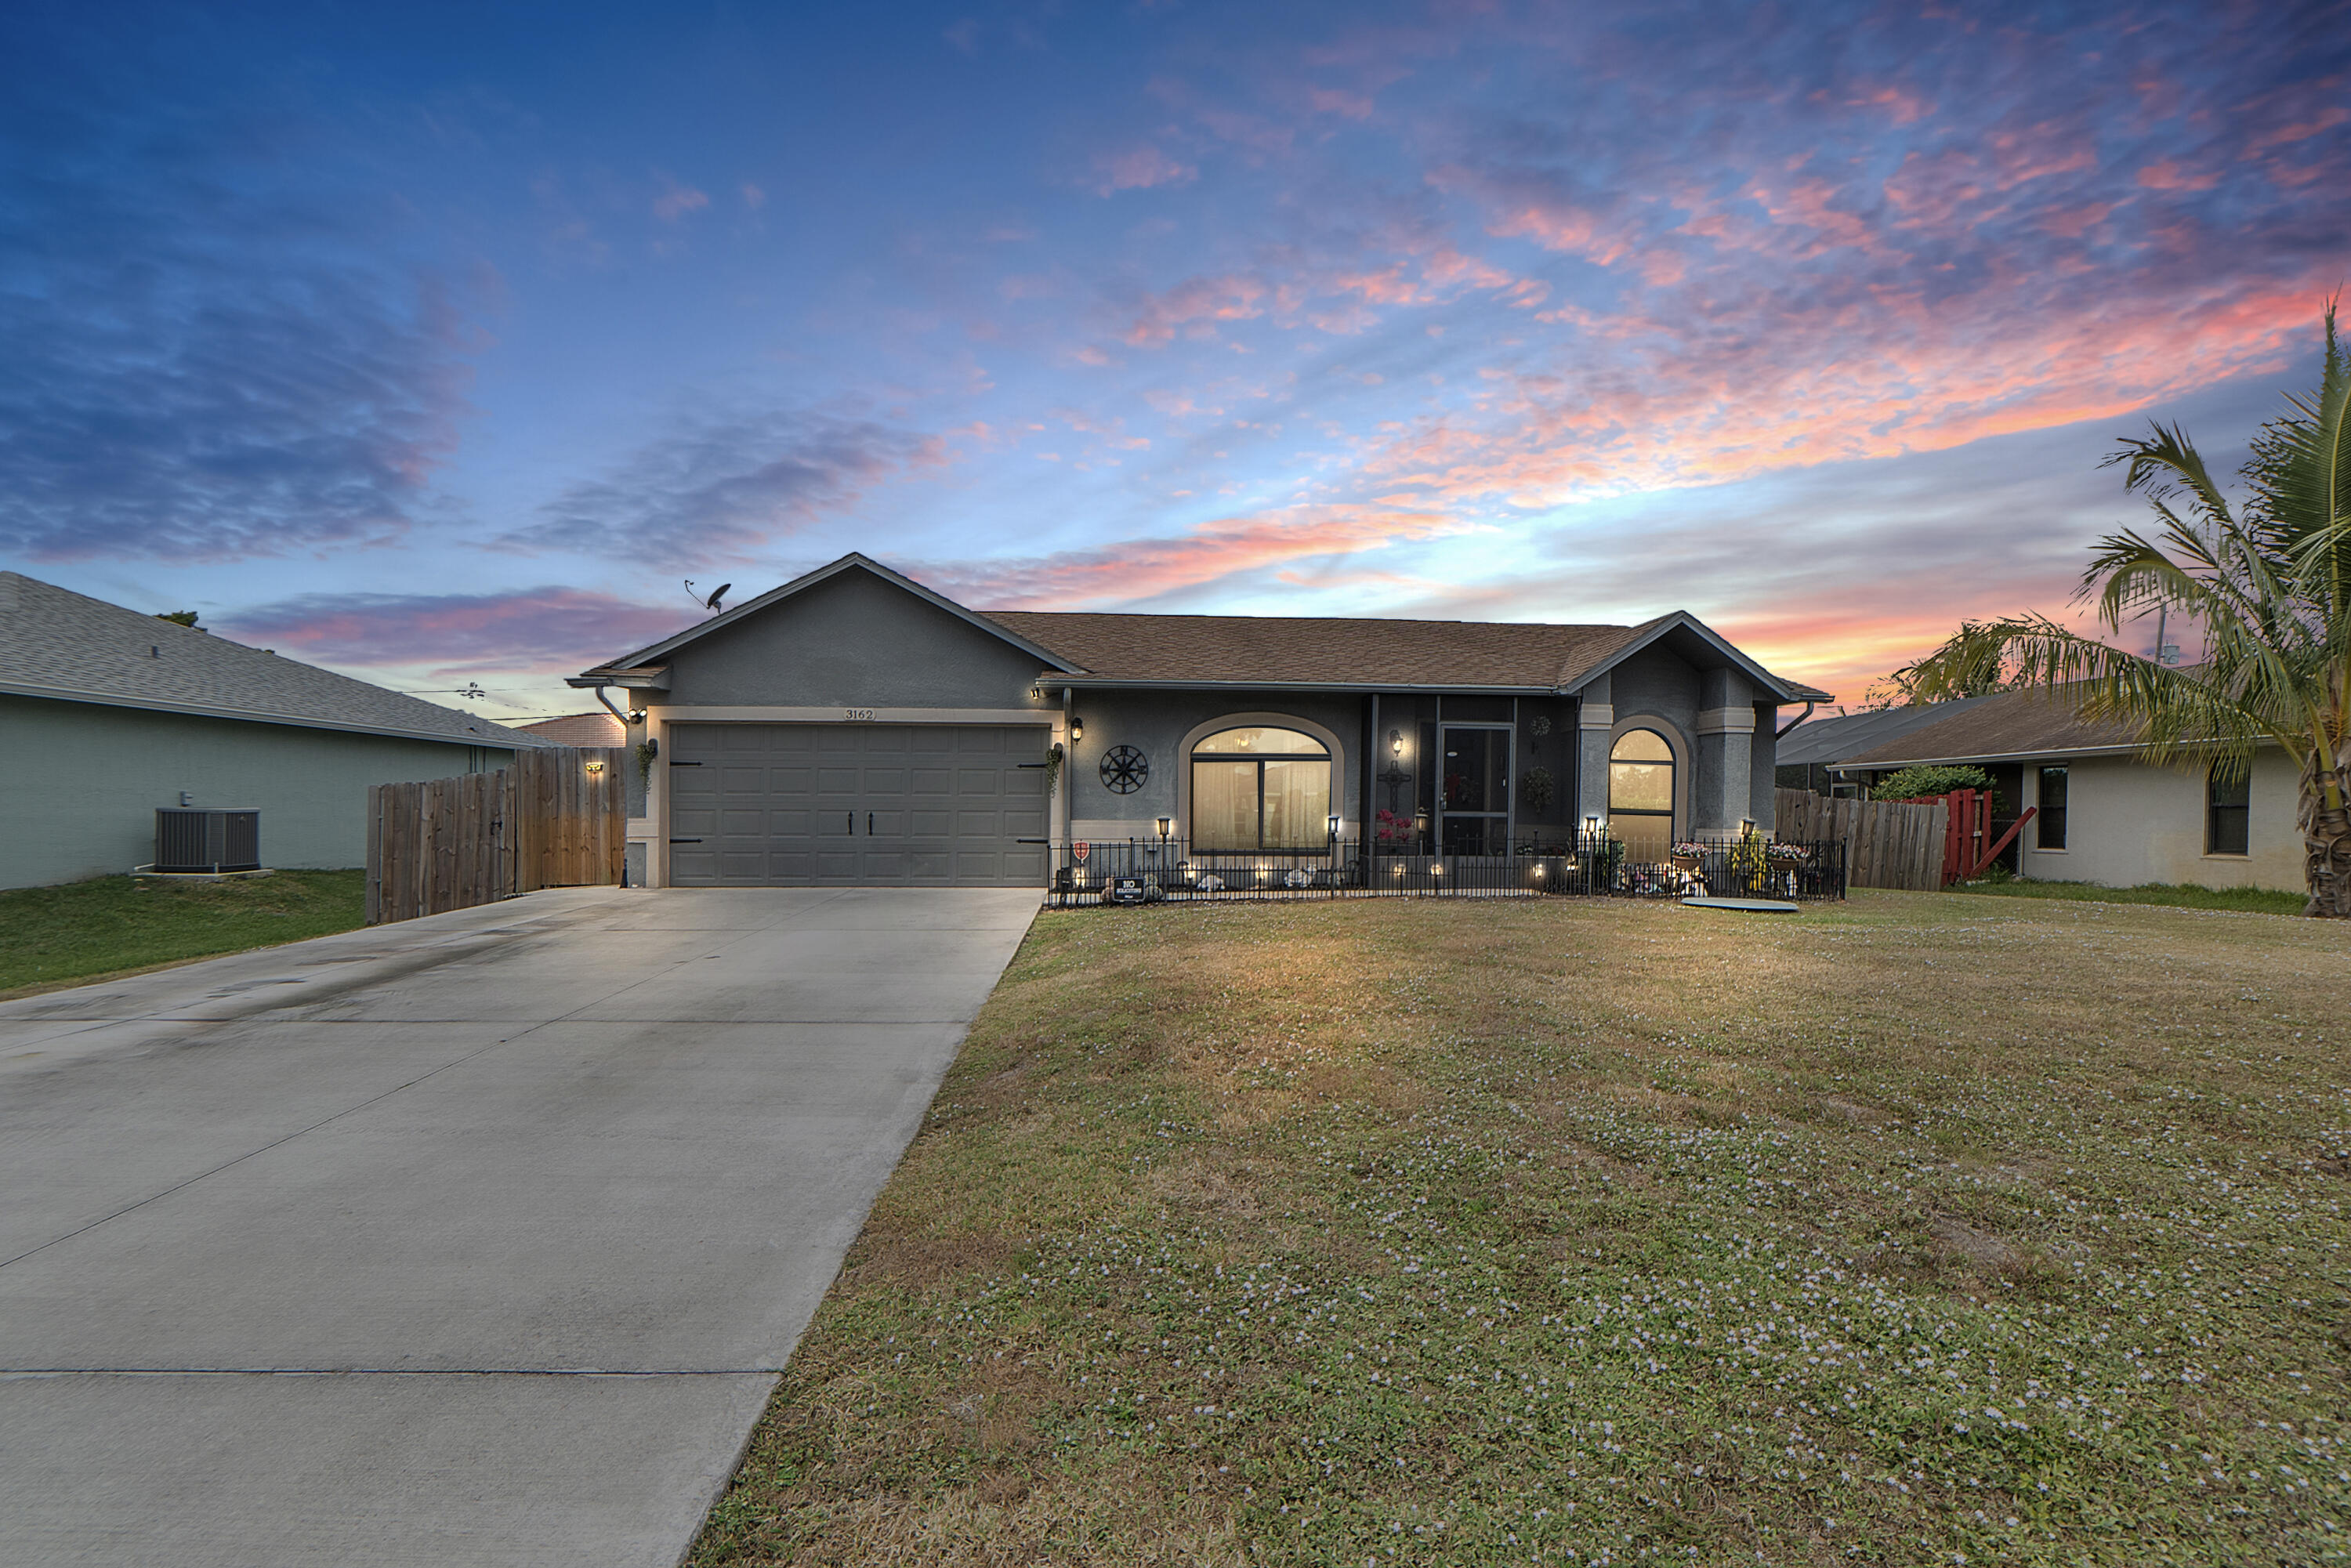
556	816
1888	843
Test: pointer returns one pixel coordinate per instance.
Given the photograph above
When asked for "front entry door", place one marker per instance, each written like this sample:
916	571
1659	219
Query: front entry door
1474	793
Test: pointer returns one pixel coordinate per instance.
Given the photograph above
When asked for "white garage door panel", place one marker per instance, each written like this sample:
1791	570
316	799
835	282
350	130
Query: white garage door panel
757	805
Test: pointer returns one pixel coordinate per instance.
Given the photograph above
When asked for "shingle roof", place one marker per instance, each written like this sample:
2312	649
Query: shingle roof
594	728
1828	740
57	644
1303	651
1115	648
2005	725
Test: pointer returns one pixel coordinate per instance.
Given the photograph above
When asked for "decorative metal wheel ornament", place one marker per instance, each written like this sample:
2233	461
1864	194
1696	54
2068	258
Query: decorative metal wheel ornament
1125	769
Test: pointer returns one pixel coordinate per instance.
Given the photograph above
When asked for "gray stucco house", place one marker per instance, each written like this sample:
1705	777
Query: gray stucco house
853	726
107	714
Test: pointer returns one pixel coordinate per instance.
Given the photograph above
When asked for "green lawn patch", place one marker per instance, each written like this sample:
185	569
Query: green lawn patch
1914	1230
51	935
2178	894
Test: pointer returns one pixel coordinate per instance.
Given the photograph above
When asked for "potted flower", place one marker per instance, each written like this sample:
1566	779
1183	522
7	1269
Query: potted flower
1687	856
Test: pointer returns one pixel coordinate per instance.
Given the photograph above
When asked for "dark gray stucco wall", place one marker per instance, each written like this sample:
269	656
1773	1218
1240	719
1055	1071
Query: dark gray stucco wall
853	641
84	780
1155	722
1730	772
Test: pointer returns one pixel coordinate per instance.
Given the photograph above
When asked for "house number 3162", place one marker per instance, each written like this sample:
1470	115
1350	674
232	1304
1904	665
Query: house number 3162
858	714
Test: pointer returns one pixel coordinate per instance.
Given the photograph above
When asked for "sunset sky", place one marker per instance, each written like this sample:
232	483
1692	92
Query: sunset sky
437	344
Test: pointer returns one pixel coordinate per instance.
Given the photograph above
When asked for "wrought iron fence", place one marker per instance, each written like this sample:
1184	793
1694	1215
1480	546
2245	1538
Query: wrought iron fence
1589	865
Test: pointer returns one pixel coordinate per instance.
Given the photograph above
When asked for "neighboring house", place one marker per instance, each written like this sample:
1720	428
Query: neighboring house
107	714
2103	816
1809	753
596	728
855	727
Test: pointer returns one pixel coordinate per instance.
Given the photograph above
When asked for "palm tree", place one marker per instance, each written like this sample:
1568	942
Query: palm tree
2271	584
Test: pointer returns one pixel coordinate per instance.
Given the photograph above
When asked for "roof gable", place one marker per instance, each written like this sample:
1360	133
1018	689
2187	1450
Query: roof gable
59	645
853	562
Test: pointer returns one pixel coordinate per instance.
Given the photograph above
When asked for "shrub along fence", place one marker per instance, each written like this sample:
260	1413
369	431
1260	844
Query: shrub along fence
1888	843
1153	870
556	816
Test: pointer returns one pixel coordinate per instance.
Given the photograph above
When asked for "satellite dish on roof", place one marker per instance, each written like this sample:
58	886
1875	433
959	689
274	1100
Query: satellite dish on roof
708	601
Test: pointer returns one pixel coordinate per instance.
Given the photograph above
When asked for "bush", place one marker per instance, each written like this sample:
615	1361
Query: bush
1917	783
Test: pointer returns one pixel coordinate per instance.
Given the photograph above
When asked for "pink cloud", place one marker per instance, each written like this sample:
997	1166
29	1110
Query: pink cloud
1138	570
1333	101
677	200
1196	304
1139	169
539	630
2168	175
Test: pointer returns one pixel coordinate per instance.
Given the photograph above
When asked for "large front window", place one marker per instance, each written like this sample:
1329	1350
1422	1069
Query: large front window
1260	788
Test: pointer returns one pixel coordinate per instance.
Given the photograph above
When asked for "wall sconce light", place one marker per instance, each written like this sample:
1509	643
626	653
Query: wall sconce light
1746	827
1396	743
1166	825
595	768
1333	823
1591	823
1436	868
1420	821
1077	729
636	716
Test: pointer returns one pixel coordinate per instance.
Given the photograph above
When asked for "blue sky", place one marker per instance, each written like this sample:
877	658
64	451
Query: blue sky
439	347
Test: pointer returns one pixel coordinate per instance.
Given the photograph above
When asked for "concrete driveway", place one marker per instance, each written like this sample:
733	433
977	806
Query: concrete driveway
475	1240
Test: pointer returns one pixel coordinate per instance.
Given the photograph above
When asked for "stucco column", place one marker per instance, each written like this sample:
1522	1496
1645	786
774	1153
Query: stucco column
1725	734
1594	717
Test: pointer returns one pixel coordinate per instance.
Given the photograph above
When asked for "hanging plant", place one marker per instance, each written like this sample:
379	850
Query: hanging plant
1053	767
647	749
1535	790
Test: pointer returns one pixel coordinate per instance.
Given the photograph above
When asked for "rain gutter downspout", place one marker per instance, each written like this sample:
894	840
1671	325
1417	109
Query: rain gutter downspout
1782	733
616	712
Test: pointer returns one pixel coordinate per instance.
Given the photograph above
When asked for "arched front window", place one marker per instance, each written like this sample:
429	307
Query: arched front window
1260	788
1641	794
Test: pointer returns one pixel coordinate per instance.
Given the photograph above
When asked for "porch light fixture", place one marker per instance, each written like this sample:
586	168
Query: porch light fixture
1591	823
1077	729
595	768
1746	826
1333	823
1165	825
1420	821
1396	743
1436	868
636	716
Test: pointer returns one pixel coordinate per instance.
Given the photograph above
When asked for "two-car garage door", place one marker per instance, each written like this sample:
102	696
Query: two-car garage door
856	805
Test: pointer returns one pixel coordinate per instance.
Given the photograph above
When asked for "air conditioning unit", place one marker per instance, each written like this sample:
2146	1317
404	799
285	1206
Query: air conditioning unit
198	838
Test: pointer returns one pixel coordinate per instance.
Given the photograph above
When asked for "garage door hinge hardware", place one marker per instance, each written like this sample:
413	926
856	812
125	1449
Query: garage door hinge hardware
1033	840
673	762
686	840
1033	765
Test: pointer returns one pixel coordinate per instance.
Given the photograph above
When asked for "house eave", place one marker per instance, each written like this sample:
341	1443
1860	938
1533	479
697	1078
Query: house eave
247	715
1052	682
641	679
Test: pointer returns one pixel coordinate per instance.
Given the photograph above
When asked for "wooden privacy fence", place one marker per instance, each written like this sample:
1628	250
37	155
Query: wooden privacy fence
1888	843
550	818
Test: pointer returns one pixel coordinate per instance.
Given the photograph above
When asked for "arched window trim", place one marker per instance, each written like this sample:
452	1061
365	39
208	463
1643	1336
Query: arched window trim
1676	742
1339	775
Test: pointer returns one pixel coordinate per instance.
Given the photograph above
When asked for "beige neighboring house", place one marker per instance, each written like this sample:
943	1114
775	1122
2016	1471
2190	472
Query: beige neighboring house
2103	816
595	728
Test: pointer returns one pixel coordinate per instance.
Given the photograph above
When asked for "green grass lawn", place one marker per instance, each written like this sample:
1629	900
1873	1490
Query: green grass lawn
2178	894
51	936
1917	1231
